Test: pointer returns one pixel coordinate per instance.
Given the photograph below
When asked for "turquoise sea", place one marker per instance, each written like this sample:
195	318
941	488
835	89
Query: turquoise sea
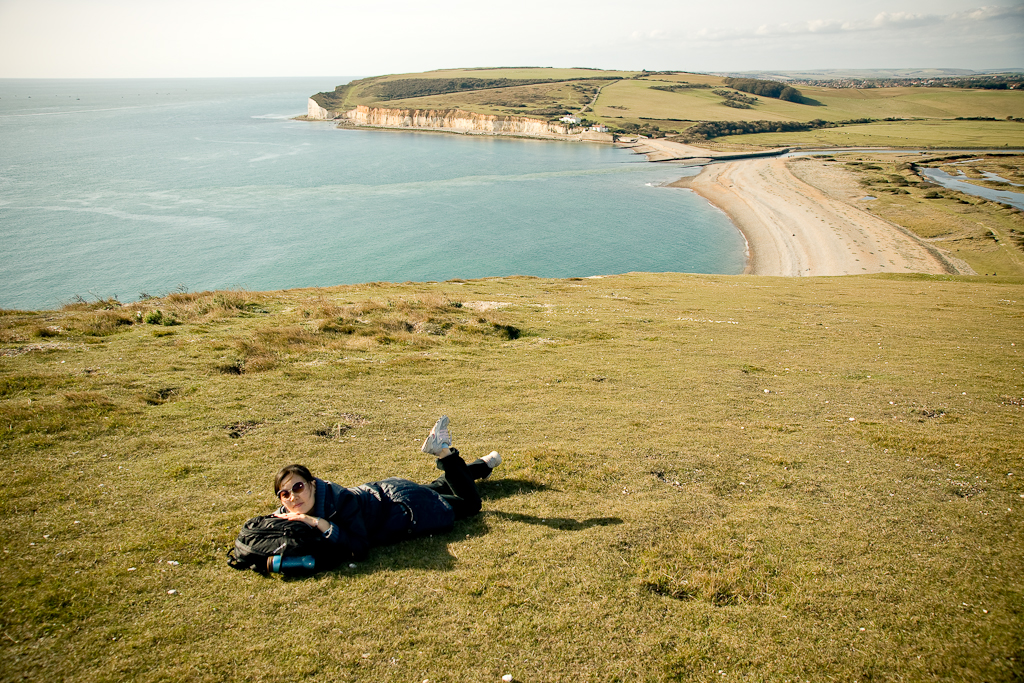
122	187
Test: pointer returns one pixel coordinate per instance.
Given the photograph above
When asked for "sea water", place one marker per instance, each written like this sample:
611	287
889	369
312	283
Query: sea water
124	187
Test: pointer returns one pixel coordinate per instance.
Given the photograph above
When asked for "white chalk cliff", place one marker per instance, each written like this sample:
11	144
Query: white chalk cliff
317	113
454	120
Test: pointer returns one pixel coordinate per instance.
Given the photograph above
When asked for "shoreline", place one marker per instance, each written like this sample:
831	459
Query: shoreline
791	226
807	224
800	224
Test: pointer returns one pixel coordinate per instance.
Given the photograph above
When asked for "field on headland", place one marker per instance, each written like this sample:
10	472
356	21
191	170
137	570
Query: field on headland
704	476
673	102
943	134
636	100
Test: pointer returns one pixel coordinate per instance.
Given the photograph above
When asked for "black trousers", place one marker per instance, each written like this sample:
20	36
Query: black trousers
456	484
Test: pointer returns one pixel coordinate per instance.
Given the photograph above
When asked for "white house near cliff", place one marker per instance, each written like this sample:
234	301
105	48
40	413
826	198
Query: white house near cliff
570	119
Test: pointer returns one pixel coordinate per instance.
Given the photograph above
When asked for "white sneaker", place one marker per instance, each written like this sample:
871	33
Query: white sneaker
493	459
438	439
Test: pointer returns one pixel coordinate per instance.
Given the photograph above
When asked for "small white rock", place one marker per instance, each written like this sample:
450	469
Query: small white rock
172	592
507	678
352	565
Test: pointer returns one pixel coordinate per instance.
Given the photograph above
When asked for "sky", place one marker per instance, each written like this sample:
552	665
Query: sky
232	38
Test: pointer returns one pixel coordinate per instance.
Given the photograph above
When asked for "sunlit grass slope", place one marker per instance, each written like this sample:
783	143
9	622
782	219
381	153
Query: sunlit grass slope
705	477
877	103
932	133
829	104
488	101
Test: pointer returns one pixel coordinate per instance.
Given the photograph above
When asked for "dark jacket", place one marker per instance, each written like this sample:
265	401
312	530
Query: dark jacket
378	513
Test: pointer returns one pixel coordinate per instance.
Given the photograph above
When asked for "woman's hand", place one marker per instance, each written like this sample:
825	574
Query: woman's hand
299	517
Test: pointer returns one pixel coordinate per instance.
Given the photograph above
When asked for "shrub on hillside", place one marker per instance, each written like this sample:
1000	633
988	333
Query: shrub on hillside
715	129
773	89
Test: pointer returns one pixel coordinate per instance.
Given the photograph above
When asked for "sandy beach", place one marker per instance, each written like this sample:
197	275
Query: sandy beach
803	218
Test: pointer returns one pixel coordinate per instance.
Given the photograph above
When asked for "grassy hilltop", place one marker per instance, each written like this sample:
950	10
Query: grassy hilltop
673	103
705	477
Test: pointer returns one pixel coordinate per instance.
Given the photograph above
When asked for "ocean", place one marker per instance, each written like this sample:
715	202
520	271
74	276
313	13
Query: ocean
119	188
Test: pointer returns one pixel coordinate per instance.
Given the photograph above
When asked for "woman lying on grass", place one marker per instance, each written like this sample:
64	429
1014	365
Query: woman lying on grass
352	520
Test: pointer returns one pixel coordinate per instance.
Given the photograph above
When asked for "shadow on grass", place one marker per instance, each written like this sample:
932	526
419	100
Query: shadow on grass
503	488
811	101
431	553
428	553
562	523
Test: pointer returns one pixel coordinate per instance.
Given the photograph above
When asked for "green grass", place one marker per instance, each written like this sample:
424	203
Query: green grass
705	477
490	101
908	134
834	104
528	100
937	103
637	99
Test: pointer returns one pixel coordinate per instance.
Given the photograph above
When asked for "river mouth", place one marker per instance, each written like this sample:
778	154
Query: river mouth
940	177
951	182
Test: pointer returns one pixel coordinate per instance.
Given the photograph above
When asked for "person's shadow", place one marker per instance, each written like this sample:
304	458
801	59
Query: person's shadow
431	552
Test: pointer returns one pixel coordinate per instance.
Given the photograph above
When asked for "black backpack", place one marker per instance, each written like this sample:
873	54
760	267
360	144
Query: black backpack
263	537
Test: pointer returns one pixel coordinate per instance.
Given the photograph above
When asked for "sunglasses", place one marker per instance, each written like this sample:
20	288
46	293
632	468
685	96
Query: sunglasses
297	488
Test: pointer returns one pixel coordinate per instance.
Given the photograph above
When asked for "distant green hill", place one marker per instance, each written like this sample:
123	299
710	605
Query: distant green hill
866	73
659	103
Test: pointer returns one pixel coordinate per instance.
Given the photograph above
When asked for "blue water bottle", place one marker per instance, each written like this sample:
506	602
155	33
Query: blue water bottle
291	564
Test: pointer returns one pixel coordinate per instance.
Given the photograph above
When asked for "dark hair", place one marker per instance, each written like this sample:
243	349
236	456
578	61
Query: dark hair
298	470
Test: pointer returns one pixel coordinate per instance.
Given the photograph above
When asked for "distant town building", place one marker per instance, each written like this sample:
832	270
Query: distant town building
570	119
599	128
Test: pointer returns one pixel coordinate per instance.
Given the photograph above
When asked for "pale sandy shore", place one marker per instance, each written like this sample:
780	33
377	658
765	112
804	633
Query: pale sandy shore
813	224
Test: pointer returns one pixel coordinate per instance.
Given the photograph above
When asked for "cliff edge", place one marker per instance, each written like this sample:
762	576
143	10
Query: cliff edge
457	121
315	112
453	120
